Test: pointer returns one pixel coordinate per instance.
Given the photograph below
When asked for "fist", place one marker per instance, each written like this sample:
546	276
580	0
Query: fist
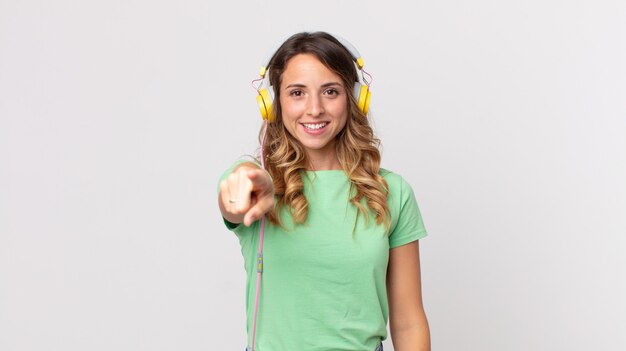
246	195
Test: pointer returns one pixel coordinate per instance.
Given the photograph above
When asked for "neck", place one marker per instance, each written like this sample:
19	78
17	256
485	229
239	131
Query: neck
325	162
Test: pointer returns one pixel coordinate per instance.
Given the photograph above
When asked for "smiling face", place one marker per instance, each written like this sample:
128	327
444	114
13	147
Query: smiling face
314	106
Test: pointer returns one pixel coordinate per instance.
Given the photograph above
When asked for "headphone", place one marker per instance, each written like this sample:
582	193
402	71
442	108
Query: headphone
361	91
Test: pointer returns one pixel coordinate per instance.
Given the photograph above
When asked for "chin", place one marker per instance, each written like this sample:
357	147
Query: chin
315	147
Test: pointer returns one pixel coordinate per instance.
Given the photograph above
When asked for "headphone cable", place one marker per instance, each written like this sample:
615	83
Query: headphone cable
260	250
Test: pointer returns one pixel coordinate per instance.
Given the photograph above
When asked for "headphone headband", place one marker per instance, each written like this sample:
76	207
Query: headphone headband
356	56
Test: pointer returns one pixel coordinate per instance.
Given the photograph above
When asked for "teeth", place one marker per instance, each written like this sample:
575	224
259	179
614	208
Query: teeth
314	126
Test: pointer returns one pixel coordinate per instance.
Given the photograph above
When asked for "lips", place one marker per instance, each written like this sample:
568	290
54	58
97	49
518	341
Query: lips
315	129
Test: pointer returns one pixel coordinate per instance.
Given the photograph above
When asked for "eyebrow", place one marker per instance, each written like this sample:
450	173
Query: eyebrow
300	85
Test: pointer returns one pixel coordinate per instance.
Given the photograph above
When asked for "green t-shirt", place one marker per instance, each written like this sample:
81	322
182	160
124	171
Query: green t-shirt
323	285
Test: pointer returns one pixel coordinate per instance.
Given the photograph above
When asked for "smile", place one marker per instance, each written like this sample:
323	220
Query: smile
314	126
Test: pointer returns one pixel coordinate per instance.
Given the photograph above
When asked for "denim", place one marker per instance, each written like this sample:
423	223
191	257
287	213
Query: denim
379	348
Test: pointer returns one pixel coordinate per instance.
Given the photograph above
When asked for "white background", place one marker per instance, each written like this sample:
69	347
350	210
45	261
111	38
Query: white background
117	117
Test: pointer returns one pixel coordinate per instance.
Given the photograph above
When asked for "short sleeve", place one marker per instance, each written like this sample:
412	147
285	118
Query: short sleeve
409	225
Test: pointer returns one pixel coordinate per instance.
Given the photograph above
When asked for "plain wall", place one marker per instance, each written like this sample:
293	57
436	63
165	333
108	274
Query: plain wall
117	118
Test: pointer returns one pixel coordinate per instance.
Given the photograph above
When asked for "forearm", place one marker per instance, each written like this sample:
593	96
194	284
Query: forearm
413	338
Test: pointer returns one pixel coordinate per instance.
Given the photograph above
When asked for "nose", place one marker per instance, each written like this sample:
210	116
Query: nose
315	106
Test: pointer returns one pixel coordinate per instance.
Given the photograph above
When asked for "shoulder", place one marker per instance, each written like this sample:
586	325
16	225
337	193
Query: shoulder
396	183
406	219
245	159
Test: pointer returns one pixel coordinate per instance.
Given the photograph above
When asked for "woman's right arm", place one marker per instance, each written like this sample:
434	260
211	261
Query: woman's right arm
246	194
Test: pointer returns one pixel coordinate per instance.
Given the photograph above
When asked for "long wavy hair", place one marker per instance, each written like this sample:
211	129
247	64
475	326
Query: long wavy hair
356	145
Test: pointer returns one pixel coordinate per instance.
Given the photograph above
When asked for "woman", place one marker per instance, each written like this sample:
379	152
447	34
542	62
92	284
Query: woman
341	252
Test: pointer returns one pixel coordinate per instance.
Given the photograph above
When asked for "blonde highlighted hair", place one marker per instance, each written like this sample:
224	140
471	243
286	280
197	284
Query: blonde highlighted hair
356	145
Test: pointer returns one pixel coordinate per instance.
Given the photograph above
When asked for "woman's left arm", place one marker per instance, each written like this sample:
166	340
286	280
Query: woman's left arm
407	319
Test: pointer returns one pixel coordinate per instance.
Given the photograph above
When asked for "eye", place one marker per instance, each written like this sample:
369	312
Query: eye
296	93
332	92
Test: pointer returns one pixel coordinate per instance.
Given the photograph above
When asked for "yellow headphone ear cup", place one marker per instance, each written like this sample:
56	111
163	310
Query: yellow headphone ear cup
264	101
363	99
366	107
259	101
